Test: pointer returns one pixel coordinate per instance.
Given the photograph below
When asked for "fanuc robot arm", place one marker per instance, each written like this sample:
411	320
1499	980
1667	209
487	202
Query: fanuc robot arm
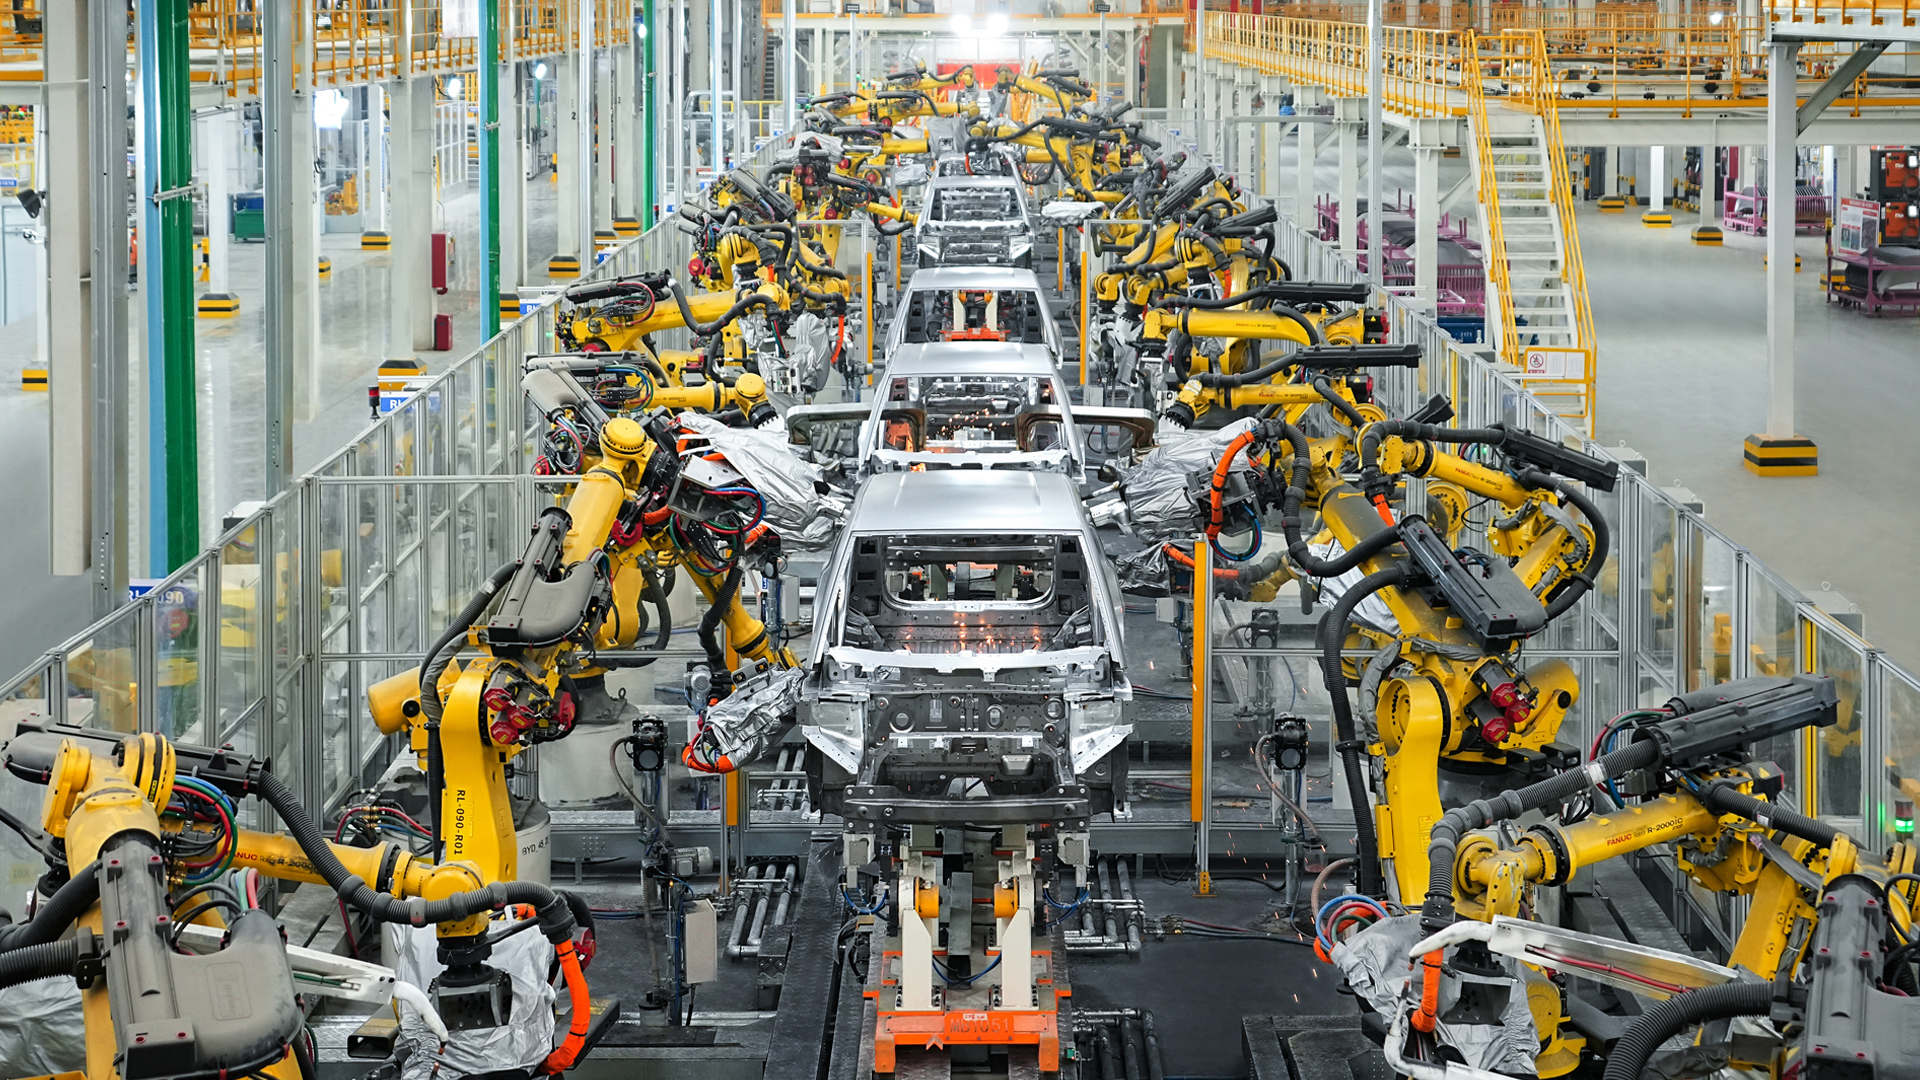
114	808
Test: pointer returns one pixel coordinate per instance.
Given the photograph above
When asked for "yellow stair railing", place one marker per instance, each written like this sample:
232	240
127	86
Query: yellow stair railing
1519	59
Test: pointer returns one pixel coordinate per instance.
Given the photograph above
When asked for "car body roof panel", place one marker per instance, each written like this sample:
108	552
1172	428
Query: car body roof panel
968	501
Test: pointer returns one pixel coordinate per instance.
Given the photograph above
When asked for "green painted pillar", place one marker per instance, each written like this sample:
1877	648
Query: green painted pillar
487	79
167	227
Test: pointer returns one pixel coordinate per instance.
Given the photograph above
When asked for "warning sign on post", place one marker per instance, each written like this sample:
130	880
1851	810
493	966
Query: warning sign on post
1549	363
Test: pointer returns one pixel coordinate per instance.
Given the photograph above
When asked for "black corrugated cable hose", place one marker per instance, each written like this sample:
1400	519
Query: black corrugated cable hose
48	960
68	902
550	908
1723	797
1332	635
710	627
1664	1020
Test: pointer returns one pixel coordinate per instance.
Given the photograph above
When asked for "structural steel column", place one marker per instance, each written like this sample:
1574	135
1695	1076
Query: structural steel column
406	257
569	162
581	179
650	115
1271	135
216	149
167	224
487	88
1426	221
1376	44
1304	186
103	295
1200	110
276	117
607	131
627	159
63	149
789	71
417	229
1657	178
1349	179
512	172
1782	117
1247	87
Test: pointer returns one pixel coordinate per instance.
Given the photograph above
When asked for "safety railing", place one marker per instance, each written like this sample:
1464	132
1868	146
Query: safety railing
346	44
1421	67
1499	273
1842	16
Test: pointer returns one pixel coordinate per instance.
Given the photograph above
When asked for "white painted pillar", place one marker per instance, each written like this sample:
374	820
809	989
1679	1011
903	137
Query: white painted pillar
414	228
1616	167
375	196
1349	183
568	162
628	144
1657	179
1782	62
607	134
513	183
585	71
1271	134
1426	221
218	133
405	261
1250	134
309	217
1845	178
1304	187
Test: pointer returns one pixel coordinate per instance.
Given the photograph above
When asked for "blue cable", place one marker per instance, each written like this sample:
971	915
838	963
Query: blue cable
1320	917
968	980
879	901
1214	541
1065	909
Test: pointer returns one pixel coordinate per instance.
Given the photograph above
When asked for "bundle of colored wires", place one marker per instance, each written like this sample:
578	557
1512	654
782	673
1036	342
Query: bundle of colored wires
191	792
759	513
1339	914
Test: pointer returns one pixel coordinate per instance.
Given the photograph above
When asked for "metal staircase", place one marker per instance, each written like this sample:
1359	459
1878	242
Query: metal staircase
1536	302
1537	308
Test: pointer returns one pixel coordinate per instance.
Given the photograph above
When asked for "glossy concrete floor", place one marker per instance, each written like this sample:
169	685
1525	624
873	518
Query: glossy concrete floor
353	331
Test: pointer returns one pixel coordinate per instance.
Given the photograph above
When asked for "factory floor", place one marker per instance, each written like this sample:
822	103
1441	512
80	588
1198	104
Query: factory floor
1199	989
353	332
1683	380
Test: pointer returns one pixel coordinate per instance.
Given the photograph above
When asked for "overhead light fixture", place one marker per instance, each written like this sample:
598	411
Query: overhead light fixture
962	24
1716	18
455	88
640	29
997	24
540	70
